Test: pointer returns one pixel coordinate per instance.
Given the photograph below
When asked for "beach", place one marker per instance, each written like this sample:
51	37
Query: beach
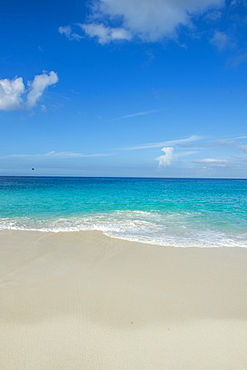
83	300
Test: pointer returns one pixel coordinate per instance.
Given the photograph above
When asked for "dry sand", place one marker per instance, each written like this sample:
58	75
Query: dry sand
85	301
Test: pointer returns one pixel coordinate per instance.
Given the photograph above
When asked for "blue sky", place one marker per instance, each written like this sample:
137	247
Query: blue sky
152	88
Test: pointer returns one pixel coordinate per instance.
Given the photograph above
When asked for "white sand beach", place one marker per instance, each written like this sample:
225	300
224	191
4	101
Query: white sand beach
82	300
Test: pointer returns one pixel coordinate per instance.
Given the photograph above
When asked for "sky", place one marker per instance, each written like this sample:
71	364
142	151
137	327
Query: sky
132	88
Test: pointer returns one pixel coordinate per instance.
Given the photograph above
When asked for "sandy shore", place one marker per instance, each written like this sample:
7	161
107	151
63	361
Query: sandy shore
86	301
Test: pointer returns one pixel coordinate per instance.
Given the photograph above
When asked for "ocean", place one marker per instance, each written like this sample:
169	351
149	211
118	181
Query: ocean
165	212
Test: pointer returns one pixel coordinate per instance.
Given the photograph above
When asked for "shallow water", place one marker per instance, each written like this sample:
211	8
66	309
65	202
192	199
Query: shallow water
172	212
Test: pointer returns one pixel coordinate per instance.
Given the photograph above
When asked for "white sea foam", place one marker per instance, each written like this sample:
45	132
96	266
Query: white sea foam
170	229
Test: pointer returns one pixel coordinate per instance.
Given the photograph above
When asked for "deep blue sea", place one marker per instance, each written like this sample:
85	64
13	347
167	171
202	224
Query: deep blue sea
167	212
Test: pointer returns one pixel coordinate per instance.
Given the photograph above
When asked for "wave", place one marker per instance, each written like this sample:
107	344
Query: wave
163	229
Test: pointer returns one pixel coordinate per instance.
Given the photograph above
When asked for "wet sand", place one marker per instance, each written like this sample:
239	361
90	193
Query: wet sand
82	300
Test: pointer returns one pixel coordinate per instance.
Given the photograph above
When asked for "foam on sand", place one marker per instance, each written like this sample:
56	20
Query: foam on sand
83	300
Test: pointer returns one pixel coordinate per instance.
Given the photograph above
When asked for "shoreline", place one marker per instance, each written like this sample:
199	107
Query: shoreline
125	239
84	300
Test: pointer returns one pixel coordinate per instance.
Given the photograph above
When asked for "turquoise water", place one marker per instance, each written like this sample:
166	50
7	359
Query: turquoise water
168	212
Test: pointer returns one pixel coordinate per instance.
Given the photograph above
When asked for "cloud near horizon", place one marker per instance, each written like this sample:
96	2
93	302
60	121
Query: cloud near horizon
213	162
54	154
166	159
14	95
181	146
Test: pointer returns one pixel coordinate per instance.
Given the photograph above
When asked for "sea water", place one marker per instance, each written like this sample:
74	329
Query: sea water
166	212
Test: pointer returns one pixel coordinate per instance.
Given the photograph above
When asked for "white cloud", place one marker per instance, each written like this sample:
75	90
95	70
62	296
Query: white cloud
185	154
236	60
10	93
14	96
138	114
244	148
184	142
106	34
180	142
226	143
72	155
238	138
233	142
220	40
166	159
150	20
213	15
38	85
213	162
54	154
43	107
67	31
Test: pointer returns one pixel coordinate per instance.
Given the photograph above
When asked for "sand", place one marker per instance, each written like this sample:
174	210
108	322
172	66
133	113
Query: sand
86	301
